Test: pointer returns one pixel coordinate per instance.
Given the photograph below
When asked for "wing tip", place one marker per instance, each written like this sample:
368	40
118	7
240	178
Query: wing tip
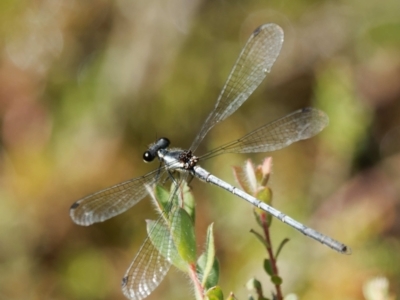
74	205
270	26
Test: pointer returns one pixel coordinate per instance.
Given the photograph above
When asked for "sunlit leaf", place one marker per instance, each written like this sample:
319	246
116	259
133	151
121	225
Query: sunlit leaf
264	194
183	234
162	197
186	197
214	293
207	264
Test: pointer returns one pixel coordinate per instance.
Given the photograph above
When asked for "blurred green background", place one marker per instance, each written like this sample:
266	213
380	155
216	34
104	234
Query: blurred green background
85	86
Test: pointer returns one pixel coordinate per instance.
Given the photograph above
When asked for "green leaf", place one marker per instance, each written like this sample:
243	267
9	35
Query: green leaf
162	197
259	237
214	293
207	264
280	247
269	219
265	195
187	200
182	231
213	275
160	237
268	267
256	213
276	280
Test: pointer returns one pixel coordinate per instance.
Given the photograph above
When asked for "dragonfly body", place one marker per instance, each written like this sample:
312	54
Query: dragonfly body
185	161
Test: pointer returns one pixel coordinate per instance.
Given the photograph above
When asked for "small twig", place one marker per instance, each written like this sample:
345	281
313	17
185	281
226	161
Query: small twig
274	266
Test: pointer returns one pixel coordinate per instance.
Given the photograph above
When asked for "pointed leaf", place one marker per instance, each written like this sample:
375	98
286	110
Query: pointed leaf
280	247
250	175
209	255
212	276
256	213
259	237
238	173
182	231
207	264
266	167
214	293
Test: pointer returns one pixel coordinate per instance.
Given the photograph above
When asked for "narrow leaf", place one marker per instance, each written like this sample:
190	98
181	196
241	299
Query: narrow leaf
256	213
238	173
250	174
266	168
280	247
209	254
259	237
213	275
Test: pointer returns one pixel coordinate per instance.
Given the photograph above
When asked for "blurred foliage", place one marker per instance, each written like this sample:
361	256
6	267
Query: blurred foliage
86	85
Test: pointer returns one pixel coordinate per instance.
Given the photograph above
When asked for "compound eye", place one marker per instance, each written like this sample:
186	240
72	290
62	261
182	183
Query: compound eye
148	156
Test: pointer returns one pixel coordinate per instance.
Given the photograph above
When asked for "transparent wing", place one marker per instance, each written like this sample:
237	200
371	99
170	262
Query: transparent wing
253	64
299	125
112	201
151	263
148	268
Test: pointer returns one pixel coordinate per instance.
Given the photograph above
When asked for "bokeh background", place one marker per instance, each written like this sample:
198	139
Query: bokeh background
85	86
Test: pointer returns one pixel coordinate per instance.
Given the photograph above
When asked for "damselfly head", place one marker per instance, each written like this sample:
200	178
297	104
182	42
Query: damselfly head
151	153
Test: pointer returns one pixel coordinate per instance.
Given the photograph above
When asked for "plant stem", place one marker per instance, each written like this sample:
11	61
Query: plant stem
198	288
274	266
